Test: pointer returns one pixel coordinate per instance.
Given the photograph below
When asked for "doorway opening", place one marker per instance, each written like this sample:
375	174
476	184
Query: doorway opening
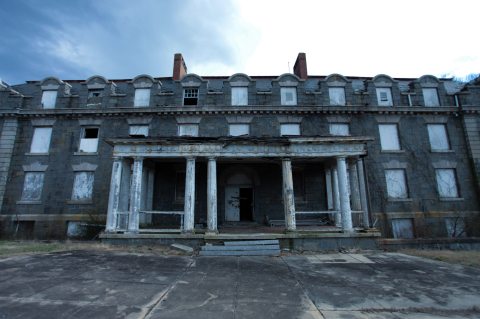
246	204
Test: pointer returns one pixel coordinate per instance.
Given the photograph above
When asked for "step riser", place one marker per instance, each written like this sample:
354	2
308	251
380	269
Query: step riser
241	248
251	242
241	253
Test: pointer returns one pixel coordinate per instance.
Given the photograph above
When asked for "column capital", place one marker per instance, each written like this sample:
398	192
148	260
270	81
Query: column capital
212	158
341	157
286	159
190	158
117	158
138	158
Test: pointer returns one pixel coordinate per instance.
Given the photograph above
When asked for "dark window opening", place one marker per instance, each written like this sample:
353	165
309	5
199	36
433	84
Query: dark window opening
190	97
90	133
246	204
95	93
298	185
180	186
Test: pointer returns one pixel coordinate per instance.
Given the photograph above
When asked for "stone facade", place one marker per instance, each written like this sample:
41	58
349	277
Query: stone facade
315	175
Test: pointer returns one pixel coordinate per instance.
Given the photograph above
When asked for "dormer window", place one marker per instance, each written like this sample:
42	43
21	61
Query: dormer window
239	96
430	97
190	96
384	97
94	93
337	96
49	99
288	96
142	98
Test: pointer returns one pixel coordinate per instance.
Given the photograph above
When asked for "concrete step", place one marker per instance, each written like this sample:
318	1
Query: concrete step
251	242
240	248
240	253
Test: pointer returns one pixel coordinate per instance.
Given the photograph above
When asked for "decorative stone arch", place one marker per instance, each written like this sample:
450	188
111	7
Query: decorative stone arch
234	174
143	81
192	80
96	82
383	80
53	83
288	79
239	79
51	80
336	79
429	81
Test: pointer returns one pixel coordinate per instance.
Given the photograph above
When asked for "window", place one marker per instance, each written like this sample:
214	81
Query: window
239	96
396	183
94	93
339	129
238	129
288	96
446	183
83	186
337	96
138	130
437	134
41	140
142	98
49	99
188	130
384	97
190	97
389	137
402	228
430	96
180	186
89	140
289	129
455	227
32	187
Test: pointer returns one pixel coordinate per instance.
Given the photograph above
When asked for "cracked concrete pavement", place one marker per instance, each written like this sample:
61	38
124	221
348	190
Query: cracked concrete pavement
106	284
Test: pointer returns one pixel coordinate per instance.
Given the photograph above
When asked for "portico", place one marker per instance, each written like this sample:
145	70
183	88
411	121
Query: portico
131	187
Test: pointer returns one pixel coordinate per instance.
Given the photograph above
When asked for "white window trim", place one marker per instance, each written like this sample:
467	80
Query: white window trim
36	139
388	92
239	96
433	138
386	144
283	126
49	97
283	95
143	97
334	98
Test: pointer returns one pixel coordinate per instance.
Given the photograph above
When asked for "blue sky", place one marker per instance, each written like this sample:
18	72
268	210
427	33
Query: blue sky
76	39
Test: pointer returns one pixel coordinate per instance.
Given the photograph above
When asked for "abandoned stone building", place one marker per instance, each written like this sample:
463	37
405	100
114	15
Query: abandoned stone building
191	154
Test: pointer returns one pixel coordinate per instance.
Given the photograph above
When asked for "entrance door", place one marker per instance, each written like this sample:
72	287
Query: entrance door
232	203
246	204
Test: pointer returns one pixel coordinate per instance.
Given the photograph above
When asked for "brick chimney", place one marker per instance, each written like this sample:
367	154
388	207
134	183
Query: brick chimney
179	67
300	67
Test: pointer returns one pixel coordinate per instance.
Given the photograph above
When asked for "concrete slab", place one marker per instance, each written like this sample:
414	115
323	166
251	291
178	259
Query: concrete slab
106	284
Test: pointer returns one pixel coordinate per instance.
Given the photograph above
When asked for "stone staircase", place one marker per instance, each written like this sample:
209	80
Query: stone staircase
242	248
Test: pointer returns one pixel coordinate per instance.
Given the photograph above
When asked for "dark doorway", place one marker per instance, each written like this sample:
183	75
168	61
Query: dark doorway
246	204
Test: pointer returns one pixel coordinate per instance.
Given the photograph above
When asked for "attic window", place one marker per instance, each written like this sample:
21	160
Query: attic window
190	97
93	93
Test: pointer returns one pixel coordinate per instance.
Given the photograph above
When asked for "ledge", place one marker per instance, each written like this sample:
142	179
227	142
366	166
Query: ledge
37	154
451	199
79	202
85	154
392	151
441	151
396	200
29	202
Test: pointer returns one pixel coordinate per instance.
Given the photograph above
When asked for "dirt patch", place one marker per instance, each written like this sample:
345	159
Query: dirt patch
462	257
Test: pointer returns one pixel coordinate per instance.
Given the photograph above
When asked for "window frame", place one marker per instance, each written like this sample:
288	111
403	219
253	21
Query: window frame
90	179
190	94
25	189
337	89
82	138
384	141
283	125
446	140
283	95
391	190
234	96
35	138
426	101
145	101
455	185
46	99
388	91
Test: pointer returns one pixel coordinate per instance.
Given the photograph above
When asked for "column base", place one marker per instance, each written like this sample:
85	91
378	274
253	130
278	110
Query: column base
211	233
348	231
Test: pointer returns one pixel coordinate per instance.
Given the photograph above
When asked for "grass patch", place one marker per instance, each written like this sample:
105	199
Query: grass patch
463	257
8	247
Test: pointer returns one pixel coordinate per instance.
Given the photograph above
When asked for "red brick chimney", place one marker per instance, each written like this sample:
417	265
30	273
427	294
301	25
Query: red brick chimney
300	67
179	67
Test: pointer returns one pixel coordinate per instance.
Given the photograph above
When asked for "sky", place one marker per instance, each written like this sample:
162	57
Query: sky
121	39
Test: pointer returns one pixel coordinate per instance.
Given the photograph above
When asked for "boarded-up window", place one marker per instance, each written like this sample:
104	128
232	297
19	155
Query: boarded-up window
49	98
389	137
337	96
179	186
238	129
33	185
384	97
396	183
430	97
402	228
289	129
41	140
83	186
89	140
188	130
446	182
288	96
437	134
455	227
239	96
138	130
142	98
190	97
340	129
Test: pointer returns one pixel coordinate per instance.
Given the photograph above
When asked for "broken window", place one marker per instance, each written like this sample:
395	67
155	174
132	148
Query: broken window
187	129
384	97
41	140
180	186
83	186
339	129
437	134
239	96
49	99
89	140
33	185
238	129
289	129
337	95
389	137
190	96
430	97
138	130
396	183
142	98
402	228
288	96
446	183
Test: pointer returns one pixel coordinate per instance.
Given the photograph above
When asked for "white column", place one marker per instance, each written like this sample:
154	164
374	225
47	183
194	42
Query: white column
288	195
328	183
363	193
344	198
135	194
212	195
189	214
336	199
114	196
355	192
